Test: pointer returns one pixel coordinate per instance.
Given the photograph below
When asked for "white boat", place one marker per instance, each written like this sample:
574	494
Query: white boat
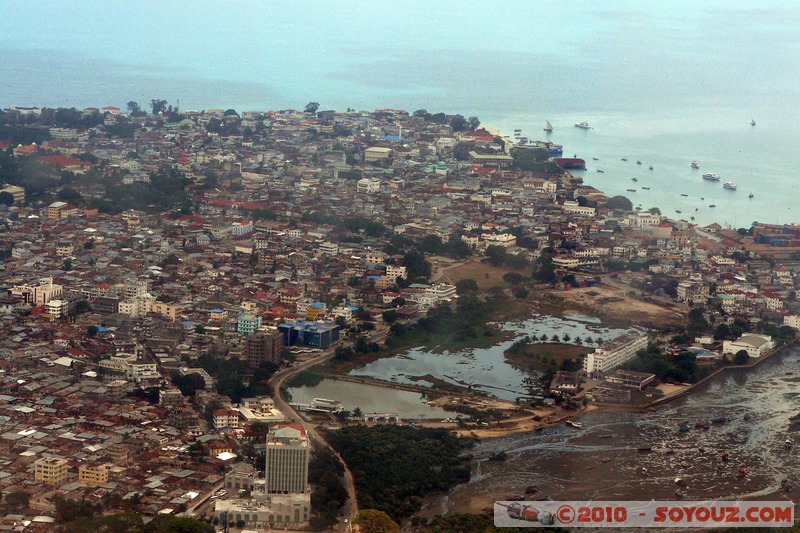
729	185
549	127
711	176
583	125
576	425
695	164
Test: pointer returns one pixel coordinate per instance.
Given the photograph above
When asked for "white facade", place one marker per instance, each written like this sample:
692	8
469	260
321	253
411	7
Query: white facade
57	308
754	345
394	271
368	185
614	353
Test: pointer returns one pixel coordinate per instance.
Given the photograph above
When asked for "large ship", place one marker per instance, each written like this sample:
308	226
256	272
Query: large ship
711	176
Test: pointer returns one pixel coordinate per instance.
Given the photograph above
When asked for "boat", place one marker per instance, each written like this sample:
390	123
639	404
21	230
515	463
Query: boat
650	167
583	125
684	194
678	211
718	420
638	162
517	130
646	449
624	159
576	425
646	188
595	159
600	171
606	435
711	176
731	186
552	149
549	127
634	179
751	195
631	190
695	164
712	205
752	122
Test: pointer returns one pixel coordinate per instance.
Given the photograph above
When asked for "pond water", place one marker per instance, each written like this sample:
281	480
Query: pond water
484	369
370	399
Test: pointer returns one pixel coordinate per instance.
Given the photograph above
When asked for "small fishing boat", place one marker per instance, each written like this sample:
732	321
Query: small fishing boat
752	122
583	125
695	164
600	171
712	205
638	162
548	127
751	195
650	167
634	179
646	188
624	159
576	425
606	436
595	159
631	190
686	195
678	211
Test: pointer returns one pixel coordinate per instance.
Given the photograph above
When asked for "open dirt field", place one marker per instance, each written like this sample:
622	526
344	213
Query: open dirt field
486	276
613	302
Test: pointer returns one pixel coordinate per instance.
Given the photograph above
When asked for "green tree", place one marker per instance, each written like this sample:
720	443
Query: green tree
373	521
390	316
6	198
474	122
67	266
741	357
158	106
465	286
134	108
619	202
92	330
191	383
18	500
311	108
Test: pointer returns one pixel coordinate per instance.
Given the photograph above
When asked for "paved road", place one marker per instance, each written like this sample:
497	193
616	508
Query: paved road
350	508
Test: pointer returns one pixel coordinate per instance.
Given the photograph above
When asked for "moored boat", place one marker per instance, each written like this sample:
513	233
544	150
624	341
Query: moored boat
695	164
576	425
584	125
711	176
549	127
731	186
631	190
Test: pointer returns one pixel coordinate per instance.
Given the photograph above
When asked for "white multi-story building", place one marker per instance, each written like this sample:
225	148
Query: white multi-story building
793	321
368	185
287	456
242	228
395	271
57	308
226	418
614	353
39	292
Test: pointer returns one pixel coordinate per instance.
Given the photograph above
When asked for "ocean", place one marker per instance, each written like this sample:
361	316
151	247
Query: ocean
665	83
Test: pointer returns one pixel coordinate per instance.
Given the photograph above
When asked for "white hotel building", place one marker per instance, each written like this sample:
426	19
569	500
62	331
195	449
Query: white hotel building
614	353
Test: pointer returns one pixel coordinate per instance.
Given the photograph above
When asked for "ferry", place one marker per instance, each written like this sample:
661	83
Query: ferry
711	176
552	149
583	125
729	185
695	164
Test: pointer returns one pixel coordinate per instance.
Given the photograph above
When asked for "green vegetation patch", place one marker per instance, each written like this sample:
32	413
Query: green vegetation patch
394	467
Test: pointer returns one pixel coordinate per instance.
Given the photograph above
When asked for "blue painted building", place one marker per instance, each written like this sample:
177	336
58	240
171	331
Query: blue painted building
307	333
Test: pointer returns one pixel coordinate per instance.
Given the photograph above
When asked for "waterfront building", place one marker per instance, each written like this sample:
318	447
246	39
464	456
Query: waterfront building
754	345
614	353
